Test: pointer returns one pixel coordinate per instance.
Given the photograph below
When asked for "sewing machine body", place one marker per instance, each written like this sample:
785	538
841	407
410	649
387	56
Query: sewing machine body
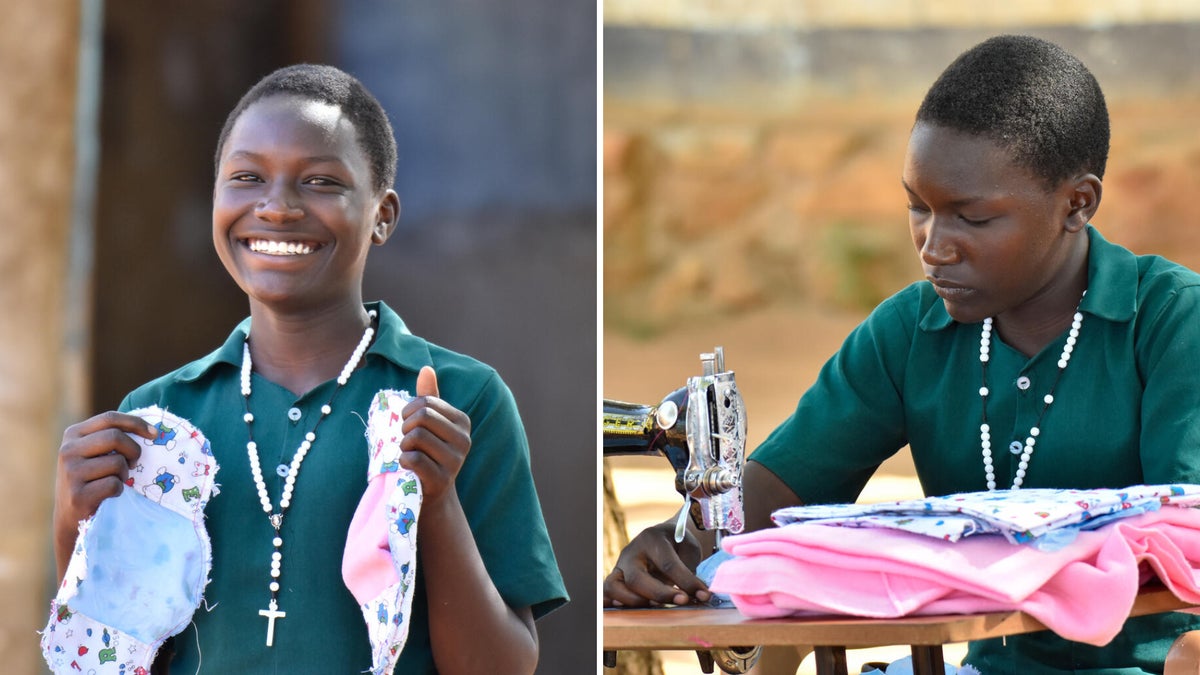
701	429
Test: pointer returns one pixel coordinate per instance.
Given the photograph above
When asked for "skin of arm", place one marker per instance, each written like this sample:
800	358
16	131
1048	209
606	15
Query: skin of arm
471	628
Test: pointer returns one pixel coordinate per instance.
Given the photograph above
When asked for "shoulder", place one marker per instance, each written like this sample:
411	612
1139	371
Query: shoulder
1167	293
193	375
464	381
1124	286
1158	276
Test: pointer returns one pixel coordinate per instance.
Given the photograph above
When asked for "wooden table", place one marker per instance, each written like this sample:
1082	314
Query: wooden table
698	629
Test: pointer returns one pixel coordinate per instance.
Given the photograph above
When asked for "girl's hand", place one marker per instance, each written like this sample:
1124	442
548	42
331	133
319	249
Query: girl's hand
653	570
93	465
437	437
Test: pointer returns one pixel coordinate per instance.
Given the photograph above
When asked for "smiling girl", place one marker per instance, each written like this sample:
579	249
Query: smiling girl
1034	354
304	168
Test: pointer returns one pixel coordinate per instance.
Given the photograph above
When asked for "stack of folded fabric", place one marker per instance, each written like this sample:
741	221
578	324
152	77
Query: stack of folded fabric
1073	559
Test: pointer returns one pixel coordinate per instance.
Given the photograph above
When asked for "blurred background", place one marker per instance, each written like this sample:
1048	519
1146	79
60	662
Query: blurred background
109	115
752	199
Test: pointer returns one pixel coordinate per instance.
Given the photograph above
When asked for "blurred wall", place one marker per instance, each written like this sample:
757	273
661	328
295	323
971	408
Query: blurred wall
38	56
752	158
494	107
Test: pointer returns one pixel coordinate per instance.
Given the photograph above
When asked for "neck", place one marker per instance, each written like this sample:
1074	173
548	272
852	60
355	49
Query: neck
301	351
1041	319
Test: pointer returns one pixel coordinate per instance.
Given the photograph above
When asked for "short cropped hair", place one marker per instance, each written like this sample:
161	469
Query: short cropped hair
333	86
1031	97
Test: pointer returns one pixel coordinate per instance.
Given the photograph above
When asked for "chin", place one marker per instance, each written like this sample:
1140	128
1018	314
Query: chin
964	314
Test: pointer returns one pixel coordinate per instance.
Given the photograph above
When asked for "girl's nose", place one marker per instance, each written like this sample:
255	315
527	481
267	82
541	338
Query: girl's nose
938	249
278	206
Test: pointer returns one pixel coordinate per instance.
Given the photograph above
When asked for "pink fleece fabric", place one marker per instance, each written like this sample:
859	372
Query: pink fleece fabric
1083	592
367	565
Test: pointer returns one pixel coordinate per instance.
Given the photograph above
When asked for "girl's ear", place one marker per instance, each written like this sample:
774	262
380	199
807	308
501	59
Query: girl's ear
1084	199
386	217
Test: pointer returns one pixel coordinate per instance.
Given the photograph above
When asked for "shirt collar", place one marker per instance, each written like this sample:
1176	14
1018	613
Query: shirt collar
1112	285
393	341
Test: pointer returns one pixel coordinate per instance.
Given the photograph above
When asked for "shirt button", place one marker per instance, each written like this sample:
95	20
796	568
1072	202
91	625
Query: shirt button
294	414
1016	447
1023	383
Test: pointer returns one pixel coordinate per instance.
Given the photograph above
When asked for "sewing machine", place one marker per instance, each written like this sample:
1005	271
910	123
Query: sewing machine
701	429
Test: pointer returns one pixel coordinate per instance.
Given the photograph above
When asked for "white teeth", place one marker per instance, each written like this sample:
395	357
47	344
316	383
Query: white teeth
279	247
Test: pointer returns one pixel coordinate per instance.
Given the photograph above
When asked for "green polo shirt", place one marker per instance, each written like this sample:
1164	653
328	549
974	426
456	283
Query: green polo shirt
324	630
1126	411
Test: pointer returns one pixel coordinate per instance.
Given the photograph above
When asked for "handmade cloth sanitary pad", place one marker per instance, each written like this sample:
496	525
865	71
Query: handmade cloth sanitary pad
141	563
1047	518
380	560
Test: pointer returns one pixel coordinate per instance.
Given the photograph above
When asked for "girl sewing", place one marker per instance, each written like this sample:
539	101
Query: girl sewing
304	519
1034	354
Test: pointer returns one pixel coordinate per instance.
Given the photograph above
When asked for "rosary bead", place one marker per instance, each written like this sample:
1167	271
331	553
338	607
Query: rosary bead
1016	447
288	472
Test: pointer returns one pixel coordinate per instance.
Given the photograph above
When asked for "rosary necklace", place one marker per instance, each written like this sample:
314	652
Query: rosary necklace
1026	448
275	516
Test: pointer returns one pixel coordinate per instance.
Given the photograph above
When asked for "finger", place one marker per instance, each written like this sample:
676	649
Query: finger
673	570
103	442
617	594
423	442
96	491
640	588
430	472
419	463
112	420
437	422
427	384
97	468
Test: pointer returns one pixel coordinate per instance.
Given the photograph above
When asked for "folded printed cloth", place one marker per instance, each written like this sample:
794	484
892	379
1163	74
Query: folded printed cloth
1022	516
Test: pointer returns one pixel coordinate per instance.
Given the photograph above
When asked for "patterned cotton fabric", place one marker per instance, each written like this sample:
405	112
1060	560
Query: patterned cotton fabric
380	561
1040	516
141	563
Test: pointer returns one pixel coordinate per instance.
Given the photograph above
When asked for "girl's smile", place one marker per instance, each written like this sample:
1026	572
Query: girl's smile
280	248
294	211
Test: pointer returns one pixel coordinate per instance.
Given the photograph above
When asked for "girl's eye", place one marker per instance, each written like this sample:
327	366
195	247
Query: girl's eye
322	181
976	223
917	209
244	178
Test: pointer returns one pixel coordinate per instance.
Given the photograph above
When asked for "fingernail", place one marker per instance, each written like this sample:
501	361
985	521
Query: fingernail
703	596
153	430
680	599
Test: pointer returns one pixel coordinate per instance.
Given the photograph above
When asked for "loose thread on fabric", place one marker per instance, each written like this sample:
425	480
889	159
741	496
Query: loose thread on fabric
196	631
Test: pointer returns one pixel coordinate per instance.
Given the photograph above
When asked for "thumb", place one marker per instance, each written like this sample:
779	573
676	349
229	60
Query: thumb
427	382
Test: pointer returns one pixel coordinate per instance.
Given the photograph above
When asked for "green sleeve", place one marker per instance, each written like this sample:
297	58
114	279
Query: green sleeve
1168	353
501	503
852	418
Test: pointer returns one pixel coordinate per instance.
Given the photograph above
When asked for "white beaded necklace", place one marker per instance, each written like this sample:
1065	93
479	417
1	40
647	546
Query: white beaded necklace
1026	449
276	516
